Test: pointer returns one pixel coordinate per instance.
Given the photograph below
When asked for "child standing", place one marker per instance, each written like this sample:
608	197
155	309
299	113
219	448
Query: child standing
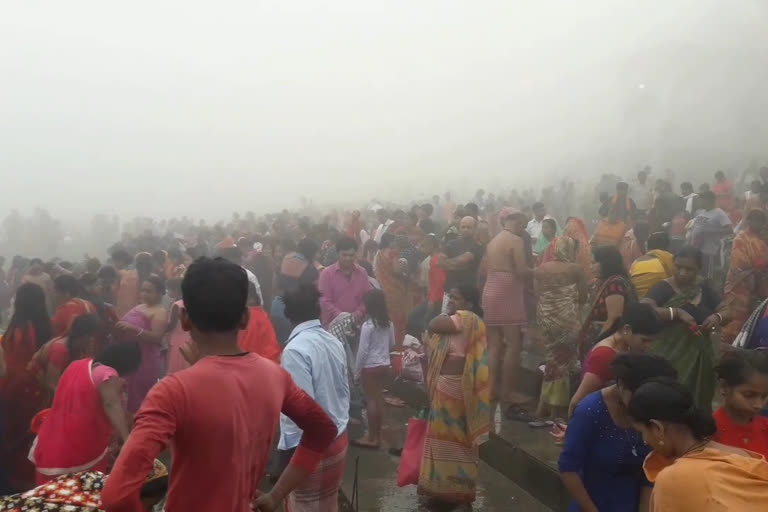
377	338
743	378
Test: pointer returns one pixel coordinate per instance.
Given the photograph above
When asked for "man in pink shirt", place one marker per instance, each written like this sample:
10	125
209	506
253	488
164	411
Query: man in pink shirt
343	285
219	416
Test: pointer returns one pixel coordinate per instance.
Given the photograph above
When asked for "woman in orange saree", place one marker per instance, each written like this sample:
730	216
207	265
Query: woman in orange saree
392	274
575	229
746	283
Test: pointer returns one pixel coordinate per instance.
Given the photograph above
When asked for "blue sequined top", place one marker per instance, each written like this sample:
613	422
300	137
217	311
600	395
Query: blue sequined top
608	458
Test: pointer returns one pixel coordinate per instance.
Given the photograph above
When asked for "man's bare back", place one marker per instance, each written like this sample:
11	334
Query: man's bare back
500	253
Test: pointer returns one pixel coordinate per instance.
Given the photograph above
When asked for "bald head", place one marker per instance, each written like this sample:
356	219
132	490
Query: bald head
467	227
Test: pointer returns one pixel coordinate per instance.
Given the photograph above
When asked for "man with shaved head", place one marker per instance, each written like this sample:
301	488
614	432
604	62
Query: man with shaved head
504	306
461	258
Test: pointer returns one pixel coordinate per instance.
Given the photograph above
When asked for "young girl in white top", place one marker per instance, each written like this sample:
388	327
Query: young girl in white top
377	338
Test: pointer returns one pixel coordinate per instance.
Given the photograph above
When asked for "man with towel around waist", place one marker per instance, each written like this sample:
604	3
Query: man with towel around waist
504	306
461	259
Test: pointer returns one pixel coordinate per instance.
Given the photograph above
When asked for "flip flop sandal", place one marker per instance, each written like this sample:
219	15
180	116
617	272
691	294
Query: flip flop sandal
518	414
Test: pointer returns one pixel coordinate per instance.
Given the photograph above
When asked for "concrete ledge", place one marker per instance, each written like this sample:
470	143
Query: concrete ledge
526	469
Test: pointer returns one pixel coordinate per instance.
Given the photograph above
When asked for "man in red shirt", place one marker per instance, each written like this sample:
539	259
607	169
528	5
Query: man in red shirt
220	415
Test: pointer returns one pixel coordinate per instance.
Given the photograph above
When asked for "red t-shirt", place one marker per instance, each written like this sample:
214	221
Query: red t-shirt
599	362
219	418
752	437
436	281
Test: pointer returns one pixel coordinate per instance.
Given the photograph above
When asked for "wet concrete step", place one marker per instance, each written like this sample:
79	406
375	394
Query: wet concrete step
377	478
526	456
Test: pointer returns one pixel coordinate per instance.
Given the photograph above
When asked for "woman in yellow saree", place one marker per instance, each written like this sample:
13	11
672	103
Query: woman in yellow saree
654	266
458	386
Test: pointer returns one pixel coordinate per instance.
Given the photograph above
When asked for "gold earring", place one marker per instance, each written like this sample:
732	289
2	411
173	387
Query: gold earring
661	443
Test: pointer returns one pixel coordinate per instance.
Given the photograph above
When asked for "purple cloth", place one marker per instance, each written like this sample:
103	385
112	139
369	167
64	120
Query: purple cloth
151	367
342	294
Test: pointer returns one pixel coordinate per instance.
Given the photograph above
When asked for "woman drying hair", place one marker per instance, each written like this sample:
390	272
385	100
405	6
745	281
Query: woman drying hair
691	472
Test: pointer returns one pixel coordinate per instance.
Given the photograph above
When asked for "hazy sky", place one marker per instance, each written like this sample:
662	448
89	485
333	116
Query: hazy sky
203	108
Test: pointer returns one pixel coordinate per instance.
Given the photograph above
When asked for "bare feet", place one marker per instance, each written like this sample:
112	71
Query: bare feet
365	442
394	401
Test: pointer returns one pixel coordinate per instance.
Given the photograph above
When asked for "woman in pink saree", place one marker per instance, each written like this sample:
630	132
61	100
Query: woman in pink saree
147	324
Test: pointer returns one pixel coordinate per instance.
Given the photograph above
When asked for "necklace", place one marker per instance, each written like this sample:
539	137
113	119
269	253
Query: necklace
629	433
696	447
631	441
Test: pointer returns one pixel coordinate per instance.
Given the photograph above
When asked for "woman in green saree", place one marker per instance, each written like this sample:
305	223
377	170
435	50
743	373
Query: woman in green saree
693	312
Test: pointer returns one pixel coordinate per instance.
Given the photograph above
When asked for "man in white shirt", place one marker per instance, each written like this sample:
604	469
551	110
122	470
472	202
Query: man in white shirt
535	224
689	196
317	362
710	226
642	192
385	222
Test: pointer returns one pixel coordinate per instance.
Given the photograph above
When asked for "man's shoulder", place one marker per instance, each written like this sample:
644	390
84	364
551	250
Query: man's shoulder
308	345
506	237
329	272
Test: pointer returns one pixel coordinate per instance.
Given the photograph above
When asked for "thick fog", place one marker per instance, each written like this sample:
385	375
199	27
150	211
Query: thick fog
204	108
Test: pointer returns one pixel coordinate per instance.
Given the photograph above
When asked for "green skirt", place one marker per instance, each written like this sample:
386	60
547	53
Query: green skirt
694	359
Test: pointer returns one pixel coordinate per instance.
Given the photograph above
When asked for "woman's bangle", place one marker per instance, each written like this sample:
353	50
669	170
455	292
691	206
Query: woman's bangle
720	317
141	331
671	314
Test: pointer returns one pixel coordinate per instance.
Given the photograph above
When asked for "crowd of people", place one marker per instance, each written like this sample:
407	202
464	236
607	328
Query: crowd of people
254	345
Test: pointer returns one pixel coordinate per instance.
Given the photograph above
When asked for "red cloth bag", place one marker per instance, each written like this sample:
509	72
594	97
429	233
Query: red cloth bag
413	450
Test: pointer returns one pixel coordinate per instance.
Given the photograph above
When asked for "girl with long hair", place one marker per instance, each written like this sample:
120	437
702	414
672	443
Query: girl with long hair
377	338
20	390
